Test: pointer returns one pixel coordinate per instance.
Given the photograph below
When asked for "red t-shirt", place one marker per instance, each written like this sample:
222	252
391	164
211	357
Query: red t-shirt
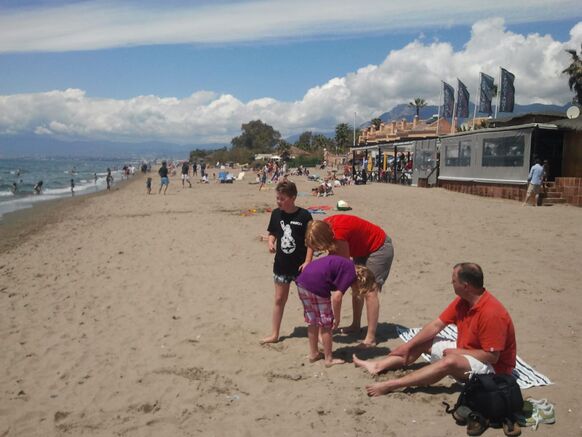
362	236
486	326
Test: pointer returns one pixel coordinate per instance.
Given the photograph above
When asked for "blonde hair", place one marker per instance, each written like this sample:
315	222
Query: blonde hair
365	279
319	236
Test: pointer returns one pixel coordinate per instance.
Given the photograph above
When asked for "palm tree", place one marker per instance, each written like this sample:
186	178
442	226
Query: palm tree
376	122
574	70
418	104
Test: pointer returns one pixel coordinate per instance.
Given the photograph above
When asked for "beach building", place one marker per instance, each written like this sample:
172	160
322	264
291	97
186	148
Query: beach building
495	161
417	140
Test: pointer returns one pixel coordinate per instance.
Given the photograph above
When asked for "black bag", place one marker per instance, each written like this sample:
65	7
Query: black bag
495	397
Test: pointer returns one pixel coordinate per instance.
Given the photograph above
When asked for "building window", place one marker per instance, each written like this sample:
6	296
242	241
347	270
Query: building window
458	155
503	152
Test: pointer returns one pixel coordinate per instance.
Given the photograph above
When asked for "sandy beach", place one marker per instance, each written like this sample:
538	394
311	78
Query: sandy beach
132	315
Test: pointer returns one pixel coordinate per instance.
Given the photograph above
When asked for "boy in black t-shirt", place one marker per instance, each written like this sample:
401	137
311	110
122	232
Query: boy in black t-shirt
286	229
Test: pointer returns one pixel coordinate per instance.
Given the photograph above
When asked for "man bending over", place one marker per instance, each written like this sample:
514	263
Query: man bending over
485	341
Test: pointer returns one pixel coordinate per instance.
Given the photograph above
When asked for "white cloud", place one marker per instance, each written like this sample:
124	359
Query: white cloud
412	71
97	24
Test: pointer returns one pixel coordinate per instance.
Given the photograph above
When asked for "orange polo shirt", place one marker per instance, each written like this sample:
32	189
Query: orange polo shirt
486	326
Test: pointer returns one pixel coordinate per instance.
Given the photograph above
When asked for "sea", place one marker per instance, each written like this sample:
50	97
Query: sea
88	174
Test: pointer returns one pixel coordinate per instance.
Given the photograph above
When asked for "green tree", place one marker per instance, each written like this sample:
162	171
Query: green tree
321	142
257	136
305	141
376	122
342	136
574	72
418	104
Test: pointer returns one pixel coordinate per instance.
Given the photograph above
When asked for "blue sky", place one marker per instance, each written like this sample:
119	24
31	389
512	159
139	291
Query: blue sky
289	63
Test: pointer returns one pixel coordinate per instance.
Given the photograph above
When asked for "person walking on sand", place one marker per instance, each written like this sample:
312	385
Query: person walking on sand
109	179
321	286
350	236
485	339
287	228
72	187
149	185
164	180
186	173
535	179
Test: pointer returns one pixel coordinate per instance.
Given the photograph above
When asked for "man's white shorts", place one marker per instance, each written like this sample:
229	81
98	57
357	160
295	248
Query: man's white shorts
439	344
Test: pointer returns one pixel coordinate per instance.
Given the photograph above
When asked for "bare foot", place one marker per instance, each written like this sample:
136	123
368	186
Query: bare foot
333	362
313	359
370	366
269	339
367	345
352	329
378	389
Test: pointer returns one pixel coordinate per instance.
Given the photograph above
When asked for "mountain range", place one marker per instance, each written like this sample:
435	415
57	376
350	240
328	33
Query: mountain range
14	146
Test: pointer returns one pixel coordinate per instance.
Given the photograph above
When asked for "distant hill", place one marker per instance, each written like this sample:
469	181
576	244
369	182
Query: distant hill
404	111
15	146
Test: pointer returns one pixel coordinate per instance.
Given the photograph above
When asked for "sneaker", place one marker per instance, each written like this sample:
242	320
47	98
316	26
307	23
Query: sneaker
545	415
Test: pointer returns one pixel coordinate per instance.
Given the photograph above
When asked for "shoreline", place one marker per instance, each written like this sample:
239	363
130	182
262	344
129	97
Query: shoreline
17	226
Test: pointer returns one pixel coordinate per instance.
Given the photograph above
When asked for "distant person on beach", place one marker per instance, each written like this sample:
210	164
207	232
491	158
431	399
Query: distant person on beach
321	286
37	189
95	177
485	340
287	229
109	179
164	180
186	173
263	179
14	188
72	186
350	236
535	179
149	185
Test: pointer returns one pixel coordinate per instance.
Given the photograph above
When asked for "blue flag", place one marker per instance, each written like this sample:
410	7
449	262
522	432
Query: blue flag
448	100
462	100
487	89
507	93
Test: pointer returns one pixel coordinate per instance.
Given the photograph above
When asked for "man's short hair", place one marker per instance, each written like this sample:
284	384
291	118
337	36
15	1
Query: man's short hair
288	188
470	273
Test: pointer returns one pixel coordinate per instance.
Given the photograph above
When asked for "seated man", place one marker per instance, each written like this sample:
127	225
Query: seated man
485	342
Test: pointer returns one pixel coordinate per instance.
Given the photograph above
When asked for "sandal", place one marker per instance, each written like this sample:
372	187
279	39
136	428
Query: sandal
476	424
511	428
461	415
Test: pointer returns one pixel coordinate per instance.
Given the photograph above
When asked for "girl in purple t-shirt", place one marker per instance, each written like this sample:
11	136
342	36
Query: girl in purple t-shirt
321	286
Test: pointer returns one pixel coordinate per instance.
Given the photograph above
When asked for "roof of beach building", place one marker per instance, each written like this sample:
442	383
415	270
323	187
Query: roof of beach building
402	130
530	117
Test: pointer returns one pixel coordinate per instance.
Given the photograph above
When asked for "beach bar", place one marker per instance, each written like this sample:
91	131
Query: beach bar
495	162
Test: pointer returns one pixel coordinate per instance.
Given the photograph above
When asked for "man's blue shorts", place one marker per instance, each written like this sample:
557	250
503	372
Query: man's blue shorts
165	181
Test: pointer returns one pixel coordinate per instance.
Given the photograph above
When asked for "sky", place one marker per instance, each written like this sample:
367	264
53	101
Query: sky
191	72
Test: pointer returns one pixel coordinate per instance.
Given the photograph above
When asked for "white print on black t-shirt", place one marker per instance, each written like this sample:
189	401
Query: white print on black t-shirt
287	241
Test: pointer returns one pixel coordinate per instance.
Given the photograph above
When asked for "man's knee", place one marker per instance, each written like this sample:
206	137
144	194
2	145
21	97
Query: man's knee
455	365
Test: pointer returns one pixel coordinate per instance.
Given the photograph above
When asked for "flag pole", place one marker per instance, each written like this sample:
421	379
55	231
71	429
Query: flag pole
498	92
477	93
455	109
439	108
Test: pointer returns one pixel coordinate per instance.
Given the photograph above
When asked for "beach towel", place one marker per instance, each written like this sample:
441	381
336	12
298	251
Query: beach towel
320	209
526	375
